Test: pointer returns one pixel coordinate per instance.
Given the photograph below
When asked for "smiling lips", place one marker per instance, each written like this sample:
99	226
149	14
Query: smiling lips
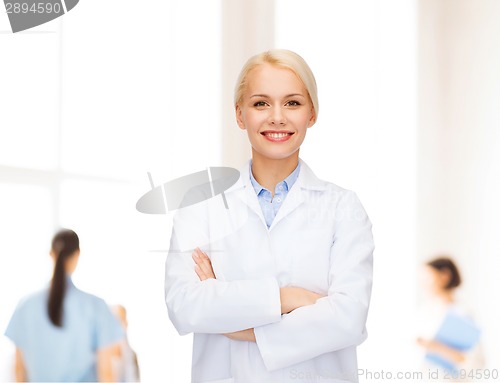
277	136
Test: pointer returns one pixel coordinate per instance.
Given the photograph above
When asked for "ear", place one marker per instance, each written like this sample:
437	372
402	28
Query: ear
312	120
239	117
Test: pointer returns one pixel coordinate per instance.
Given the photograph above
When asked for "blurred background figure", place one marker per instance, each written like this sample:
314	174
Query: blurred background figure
60	332
125	362
448	334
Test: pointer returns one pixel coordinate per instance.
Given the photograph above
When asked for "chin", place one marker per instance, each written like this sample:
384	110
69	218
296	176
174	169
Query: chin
276	155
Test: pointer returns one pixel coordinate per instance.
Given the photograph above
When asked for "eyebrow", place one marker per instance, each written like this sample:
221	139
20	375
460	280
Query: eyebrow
287	96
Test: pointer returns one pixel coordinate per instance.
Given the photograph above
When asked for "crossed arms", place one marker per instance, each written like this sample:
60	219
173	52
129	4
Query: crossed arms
289	324
291	298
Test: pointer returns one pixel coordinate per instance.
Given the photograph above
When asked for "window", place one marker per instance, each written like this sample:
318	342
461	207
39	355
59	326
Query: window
90	103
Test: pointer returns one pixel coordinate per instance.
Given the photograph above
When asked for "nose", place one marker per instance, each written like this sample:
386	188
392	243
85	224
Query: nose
277	116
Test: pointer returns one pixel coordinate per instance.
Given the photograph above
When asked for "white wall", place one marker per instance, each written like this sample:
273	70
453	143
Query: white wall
89	103
459	146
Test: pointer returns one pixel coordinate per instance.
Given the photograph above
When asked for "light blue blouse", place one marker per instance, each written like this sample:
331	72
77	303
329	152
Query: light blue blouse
270	205
65	353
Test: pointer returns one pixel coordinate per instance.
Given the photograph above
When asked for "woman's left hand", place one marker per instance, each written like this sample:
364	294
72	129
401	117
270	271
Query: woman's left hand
247	335
204	270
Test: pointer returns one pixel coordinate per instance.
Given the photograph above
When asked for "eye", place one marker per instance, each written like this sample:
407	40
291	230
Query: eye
260	104
293	103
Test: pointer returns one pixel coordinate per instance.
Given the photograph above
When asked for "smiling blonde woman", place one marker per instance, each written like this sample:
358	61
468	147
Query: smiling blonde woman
284	296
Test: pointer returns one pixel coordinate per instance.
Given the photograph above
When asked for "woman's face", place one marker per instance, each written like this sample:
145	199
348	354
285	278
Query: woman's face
435	280
275	111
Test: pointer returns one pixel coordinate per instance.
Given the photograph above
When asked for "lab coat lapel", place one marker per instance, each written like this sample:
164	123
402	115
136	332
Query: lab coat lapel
293	200
306	181
244	190
250	198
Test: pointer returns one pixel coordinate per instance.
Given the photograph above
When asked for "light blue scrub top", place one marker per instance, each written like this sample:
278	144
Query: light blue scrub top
65	353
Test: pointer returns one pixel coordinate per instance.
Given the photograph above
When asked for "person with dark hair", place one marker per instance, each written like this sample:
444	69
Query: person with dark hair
62	333
450	339
447	273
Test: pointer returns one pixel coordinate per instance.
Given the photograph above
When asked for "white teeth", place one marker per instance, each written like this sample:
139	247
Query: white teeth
276	135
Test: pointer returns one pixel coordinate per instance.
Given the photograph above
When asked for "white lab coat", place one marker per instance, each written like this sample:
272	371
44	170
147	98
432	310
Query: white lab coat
320	240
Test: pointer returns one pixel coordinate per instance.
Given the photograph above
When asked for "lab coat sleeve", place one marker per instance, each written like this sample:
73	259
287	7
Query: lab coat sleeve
212	305
338	320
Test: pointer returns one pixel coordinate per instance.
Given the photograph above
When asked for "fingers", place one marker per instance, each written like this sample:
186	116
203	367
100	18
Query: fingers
203	267
200	273
294	297
316	296
246	335
312	297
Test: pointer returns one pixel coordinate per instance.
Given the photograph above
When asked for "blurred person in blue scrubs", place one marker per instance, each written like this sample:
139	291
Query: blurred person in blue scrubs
443	314
60	332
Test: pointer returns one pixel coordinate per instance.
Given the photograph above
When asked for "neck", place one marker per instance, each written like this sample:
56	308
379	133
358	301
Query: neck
446	296
269	172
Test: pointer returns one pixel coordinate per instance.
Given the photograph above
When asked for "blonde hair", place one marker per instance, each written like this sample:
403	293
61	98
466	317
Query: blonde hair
284	59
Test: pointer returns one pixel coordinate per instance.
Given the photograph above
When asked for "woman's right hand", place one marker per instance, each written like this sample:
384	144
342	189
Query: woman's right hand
295	297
